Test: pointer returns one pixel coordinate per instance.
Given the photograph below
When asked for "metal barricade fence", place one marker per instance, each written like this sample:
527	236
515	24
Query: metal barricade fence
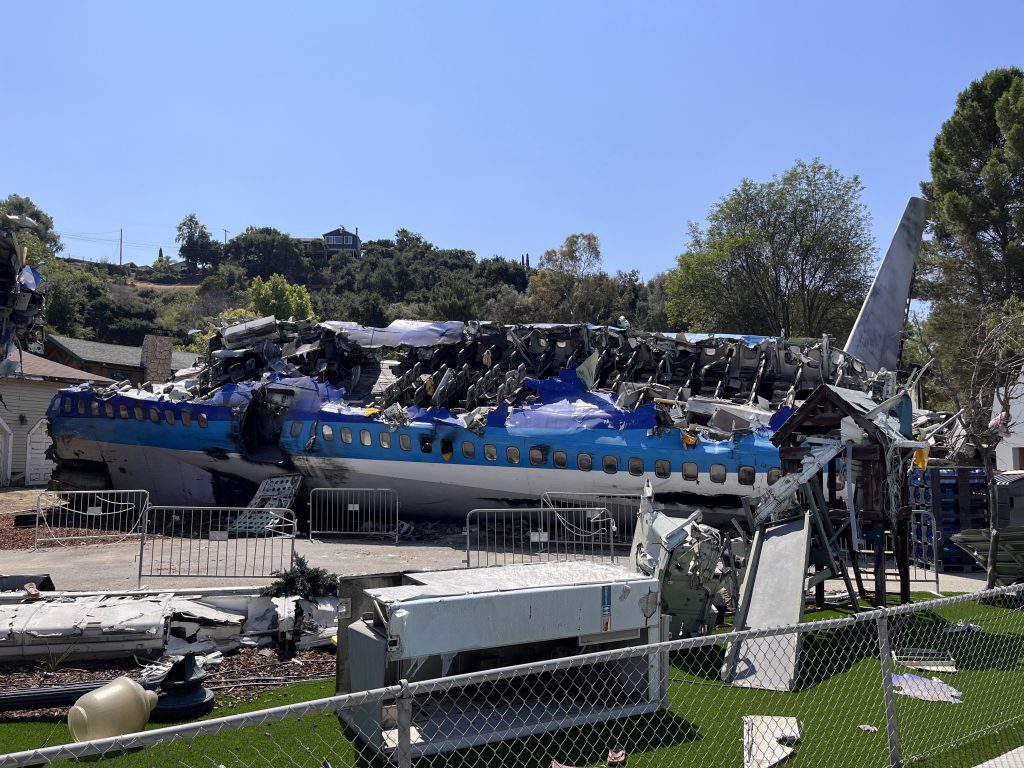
538	534
63	516
855	698
353	512
216	542
623	508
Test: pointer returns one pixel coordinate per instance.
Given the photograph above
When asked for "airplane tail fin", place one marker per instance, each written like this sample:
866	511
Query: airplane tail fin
875	338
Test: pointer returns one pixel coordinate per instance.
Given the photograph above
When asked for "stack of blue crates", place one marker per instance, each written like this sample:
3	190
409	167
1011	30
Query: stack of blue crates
960	503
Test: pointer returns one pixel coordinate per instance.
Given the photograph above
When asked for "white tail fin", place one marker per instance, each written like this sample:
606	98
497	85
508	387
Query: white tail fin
875	337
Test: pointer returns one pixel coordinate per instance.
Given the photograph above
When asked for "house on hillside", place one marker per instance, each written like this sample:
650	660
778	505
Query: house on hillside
23	435
340	240
154	361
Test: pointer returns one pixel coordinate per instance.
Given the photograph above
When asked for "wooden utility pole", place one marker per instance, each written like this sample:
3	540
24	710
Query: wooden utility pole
120	250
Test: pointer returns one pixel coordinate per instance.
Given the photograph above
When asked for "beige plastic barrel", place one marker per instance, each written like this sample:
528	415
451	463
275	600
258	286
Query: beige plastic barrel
119	707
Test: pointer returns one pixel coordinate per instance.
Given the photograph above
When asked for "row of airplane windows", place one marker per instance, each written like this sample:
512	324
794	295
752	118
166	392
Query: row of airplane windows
138	412
538	456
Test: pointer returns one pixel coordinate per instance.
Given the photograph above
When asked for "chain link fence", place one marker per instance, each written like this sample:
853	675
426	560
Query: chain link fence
936	683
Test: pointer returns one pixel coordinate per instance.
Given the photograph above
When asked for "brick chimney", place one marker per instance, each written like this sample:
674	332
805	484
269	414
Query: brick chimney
156	358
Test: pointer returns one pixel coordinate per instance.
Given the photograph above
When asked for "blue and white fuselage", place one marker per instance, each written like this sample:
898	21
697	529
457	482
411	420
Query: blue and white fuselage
205	452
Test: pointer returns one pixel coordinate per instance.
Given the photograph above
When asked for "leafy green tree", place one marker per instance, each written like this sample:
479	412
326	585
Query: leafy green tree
265	251
788	255
70	292
23	206
651	305
497	271
229	278
569	286
507	306
454	299
974	262
162	271
199	249
279	298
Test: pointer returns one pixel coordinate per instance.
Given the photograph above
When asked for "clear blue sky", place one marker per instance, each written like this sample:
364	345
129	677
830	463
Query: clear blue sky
496	127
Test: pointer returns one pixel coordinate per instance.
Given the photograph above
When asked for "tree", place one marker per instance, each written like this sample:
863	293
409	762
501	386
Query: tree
265	251
196	245
984	385
788	255
454	299
279	298
23	206
70	291
568	284
974	261
650	310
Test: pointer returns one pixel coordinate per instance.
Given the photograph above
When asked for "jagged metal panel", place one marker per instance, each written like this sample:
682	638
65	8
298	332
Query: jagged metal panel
875	338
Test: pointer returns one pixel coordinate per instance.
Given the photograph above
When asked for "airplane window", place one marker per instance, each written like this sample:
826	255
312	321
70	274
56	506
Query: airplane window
327	431
690	470
490	452
662	468
536	456
296	428
773	475
405	442
94	408
123	411
611	465
636	467
186	418
203	420
365	437
154	415
109	410
468	450
585	462
560	460
67	405
718	473
169	417
512	454
746	475
384	438
138	413
81	407
346	435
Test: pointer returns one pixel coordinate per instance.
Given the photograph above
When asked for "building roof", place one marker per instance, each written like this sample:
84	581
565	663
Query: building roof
114	354
1009	477
340	231
35	367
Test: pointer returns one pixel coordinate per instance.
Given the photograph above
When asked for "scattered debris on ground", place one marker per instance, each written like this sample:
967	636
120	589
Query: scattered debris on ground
238	678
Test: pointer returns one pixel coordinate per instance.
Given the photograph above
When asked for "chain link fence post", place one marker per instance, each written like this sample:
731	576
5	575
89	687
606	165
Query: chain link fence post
885	658
404	724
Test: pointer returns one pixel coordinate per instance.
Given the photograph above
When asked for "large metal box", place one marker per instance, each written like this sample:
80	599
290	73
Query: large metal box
470	621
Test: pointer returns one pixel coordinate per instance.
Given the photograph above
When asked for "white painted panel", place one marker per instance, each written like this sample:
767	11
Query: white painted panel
38	468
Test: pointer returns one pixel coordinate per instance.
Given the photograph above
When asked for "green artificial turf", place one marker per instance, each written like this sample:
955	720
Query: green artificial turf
840	688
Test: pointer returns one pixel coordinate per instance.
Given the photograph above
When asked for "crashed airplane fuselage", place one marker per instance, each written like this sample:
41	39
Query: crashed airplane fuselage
457	422
455	416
